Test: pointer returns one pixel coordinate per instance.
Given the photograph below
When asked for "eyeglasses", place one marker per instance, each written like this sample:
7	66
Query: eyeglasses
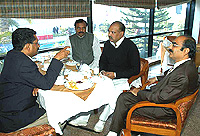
36	43
175	44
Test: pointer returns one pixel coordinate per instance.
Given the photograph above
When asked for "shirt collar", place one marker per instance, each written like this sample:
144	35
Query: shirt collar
180	62
82	36
29	57
118	42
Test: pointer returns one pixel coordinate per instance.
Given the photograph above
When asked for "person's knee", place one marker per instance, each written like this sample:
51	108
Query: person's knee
120	99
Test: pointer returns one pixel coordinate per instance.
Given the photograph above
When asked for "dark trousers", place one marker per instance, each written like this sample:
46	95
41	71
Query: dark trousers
124	102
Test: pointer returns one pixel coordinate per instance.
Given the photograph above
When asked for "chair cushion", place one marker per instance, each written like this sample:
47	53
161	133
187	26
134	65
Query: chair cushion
144	121
184	109
41	130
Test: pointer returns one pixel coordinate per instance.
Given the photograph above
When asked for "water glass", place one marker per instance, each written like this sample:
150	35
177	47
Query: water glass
96	71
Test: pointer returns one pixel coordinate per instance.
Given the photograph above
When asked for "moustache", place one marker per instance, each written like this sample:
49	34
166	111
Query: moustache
170	50
110	37
81	32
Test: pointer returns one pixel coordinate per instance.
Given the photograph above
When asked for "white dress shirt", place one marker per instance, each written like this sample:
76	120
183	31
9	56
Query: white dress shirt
117	43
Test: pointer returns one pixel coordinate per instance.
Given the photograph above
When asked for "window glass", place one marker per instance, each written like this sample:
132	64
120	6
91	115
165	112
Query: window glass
136	21
158	39
142	44
170	19
51	33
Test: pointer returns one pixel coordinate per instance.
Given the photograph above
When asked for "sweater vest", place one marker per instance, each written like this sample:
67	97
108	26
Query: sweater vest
82	48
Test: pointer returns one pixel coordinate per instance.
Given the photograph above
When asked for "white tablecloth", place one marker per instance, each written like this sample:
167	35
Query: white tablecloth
60	106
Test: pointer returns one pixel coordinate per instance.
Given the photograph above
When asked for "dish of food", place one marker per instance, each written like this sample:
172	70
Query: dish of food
79	85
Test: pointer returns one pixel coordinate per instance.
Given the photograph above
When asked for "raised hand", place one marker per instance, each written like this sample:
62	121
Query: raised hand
62	53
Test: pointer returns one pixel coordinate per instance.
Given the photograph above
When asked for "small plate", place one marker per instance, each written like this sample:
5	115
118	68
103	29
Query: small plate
71	63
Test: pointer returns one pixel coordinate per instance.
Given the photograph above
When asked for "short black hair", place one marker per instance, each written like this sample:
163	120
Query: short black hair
191	44
80	21
121	25
22	36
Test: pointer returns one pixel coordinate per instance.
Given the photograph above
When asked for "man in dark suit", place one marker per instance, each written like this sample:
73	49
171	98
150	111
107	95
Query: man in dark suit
181	81
20	78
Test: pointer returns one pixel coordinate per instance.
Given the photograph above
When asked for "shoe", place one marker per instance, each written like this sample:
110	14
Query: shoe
99	126
78	123
111	133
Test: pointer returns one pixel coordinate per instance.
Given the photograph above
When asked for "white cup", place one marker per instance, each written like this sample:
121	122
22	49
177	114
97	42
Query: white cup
96	71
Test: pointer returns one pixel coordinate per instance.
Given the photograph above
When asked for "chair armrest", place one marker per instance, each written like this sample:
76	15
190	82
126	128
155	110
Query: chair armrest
131	79
147	104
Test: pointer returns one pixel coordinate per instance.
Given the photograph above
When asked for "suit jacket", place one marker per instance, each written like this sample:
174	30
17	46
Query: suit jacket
182	81
20	75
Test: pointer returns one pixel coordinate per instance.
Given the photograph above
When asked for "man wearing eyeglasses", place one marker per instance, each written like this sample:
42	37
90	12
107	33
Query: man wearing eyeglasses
19	79
181	81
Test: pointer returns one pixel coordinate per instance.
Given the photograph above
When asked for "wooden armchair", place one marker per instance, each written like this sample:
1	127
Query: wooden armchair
41	130
144	69
170	128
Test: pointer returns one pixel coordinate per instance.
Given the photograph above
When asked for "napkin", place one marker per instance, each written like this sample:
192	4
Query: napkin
121	84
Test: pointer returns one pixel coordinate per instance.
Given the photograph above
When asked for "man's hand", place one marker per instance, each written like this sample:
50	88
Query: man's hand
35	90
62	53
151	80
134	91
109	74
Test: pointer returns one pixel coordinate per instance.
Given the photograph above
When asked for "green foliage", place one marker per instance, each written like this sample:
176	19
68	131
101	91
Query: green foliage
5	37
137	21
104	27
5	34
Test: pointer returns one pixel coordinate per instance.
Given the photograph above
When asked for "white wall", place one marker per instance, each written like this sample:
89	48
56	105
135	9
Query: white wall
195	31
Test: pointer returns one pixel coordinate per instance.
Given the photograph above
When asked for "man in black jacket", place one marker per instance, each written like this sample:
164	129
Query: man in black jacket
19	77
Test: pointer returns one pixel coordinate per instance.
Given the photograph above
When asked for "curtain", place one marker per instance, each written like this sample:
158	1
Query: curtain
169	3
148	4
44	9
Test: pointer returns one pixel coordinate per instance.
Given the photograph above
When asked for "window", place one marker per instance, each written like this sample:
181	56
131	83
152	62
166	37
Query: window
168	20
51	33
136	21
